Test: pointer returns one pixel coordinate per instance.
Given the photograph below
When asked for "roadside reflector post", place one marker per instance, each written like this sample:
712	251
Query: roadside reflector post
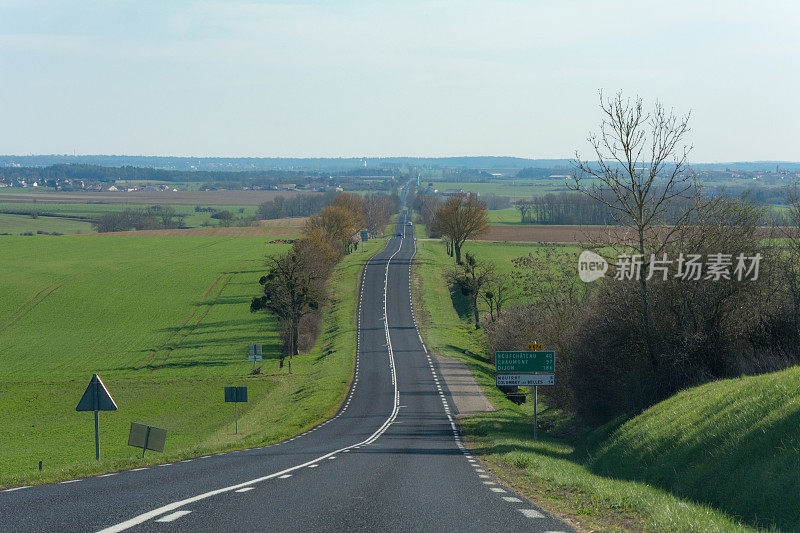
535	409
96	398
236	395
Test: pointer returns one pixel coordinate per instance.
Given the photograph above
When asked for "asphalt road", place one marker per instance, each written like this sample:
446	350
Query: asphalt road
392	459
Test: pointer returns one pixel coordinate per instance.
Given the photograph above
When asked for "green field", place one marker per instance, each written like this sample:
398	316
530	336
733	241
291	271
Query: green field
526	188
16	224
509	215
165	322
677	467
193	219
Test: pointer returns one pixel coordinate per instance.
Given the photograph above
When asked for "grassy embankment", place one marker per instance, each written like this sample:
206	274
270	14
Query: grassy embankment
721	457
165	322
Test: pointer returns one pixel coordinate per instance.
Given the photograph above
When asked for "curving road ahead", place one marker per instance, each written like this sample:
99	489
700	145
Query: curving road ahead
391	459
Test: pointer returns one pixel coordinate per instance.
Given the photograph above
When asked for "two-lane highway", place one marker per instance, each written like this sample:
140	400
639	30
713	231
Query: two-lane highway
392	458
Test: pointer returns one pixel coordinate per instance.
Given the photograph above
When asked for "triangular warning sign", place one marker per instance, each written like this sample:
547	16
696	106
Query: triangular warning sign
96	397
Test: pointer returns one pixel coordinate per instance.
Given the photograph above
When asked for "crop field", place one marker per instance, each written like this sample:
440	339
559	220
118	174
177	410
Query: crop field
16	224
165	322
192	218
543	233
515	188
221	197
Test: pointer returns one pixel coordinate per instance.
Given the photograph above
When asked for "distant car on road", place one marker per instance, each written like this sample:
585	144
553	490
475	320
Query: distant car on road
399	233
408	223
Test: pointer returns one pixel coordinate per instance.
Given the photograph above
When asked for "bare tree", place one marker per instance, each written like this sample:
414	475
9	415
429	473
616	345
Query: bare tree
524	207
461	217
496	293
471	277
293	288
640	173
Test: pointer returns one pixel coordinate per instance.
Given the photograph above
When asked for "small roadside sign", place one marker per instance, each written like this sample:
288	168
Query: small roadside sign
147	437
254	358
364	235
535	347
236	395
254	349
96	398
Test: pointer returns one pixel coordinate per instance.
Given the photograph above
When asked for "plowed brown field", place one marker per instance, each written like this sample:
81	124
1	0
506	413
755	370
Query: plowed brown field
585	234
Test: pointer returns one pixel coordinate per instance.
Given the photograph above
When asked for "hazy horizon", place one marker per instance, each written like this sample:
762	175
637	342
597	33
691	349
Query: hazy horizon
430	78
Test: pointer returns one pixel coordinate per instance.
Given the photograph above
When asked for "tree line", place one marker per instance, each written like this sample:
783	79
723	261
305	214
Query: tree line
110	174
294	287
152	217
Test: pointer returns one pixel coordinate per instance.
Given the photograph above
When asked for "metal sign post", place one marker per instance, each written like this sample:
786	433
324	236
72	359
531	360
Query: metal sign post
236	395
96	398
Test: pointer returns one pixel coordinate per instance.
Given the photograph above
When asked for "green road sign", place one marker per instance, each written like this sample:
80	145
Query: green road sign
525	361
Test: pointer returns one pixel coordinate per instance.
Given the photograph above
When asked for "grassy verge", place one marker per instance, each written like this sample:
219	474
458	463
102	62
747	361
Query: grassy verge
72	306
562	476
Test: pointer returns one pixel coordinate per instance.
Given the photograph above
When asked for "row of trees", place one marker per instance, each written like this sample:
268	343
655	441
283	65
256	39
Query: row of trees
293	289
153	217
301	205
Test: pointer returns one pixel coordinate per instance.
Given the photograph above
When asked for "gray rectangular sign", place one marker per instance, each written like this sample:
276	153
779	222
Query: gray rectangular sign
147	437
524	380
235	394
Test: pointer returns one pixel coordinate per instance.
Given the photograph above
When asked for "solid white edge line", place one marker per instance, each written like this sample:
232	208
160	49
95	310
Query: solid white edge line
144	517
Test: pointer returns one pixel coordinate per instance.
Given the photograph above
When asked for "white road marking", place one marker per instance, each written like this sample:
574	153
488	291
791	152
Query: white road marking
17	488
511	499
531	513
483	476
496	489
489	483
173	516
166	464
143	468
313	466
244	489
108	475
284	476
70	481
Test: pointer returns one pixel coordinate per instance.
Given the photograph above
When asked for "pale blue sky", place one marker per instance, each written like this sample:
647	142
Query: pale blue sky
417	78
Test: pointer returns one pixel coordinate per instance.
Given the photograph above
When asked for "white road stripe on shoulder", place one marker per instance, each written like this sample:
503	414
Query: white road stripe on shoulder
531	513
17	488
244	489
70	481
